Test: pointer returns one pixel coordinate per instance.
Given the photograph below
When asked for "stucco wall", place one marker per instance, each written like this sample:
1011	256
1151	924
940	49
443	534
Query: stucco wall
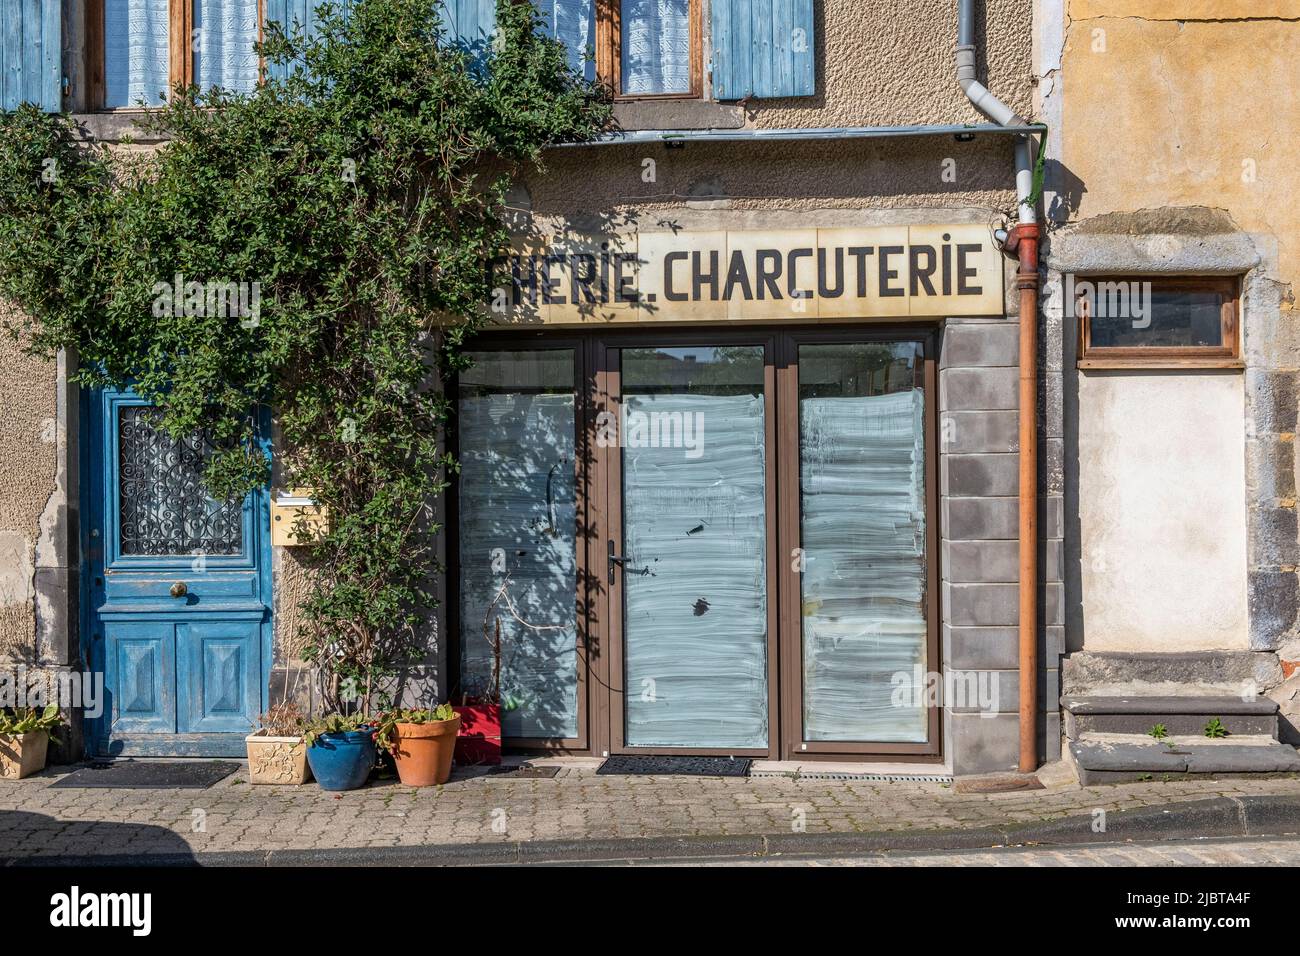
1205	96
885	63
879	63
28	444
1162	465
1177	120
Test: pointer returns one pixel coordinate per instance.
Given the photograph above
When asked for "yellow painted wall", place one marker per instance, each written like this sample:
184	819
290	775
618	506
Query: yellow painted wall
1177	103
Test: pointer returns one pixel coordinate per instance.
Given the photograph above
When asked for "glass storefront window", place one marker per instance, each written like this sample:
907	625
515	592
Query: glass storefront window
518	537
862	526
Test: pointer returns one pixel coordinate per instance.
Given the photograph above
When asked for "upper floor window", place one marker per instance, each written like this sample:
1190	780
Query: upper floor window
655	48
146	47
139	50
640	47
573	23
658	48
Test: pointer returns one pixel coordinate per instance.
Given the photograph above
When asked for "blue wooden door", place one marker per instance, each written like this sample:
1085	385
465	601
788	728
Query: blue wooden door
179	592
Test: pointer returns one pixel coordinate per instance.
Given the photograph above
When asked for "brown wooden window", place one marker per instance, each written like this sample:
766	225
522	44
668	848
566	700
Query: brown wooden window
651	48
140	50
1154	322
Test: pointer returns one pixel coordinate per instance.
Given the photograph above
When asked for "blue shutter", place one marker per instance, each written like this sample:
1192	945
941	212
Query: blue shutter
287	13
471	22
763	48
31	68
302	12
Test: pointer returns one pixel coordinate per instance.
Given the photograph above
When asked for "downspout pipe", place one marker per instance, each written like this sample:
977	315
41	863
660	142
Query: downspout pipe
1023	242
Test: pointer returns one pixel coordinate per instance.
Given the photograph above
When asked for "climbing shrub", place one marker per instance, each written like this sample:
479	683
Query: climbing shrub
315	249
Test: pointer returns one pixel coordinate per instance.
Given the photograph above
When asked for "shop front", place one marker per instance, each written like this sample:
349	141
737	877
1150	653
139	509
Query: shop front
709	524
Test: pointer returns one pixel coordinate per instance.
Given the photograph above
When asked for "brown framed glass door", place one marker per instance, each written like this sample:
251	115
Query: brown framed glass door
686	436
518	548
702	542
860	630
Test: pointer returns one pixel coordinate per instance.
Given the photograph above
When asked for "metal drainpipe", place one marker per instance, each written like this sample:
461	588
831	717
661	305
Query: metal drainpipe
1023	240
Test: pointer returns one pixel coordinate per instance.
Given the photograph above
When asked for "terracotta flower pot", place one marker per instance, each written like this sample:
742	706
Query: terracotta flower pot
424	751
277	759
22	755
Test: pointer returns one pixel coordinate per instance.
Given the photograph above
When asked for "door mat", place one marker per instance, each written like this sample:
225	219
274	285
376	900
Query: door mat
149	775
677	766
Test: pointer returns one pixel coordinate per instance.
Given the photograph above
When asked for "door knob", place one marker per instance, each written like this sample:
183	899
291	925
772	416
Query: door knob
180	589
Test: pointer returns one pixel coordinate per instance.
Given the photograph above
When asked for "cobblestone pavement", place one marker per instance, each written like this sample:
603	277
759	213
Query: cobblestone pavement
37	820
1241	852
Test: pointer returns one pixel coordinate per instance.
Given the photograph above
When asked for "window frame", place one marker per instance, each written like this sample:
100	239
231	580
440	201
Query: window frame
1226	355
609	53
180	54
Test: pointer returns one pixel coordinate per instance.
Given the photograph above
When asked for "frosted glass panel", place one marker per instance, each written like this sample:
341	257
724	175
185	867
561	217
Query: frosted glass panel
695	601
224	55
862	500
573	23
518	525
135	52
656	46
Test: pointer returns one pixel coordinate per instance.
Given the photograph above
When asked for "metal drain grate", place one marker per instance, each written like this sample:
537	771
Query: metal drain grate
863	777
524	773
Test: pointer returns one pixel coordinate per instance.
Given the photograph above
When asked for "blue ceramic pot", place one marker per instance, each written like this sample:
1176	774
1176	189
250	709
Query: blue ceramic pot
342	761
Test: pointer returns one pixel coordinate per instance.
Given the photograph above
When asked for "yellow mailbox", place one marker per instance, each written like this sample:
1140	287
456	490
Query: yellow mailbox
293	511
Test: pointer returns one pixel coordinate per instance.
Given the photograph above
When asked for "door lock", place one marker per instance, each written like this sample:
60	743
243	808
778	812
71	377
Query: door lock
180	589
614	559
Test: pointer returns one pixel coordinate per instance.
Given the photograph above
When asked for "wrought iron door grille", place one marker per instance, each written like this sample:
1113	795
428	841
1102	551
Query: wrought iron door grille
164	508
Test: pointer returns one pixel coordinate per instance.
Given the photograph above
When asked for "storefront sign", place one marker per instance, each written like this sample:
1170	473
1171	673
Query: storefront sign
888	271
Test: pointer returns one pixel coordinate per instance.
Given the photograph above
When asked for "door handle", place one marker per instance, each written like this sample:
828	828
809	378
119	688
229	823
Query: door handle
179	589
614	559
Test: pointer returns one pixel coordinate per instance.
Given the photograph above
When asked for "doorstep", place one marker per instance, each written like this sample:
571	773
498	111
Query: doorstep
928	773
563	761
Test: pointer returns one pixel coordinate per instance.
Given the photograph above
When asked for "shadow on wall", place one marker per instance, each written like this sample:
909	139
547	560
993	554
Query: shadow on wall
1067	191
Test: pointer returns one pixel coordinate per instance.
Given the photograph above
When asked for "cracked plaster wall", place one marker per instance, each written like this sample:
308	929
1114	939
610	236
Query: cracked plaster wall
29	435
1177	153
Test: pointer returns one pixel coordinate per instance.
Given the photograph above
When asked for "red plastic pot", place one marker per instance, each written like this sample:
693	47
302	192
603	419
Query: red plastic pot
479	738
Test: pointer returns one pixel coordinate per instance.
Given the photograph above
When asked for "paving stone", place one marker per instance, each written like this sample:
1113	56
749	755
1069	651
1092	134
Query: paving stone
574	805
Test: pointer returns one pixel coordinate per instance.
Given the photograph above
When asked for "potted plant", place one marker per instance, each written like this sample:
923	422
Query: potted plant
340	750
480	714
421	741
277	752
25	740
479	735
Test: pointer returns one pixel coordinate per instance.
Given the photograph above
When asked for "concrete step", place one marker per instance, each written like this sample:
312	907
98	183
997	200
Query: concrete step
1181	715
1216	673
1120	758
